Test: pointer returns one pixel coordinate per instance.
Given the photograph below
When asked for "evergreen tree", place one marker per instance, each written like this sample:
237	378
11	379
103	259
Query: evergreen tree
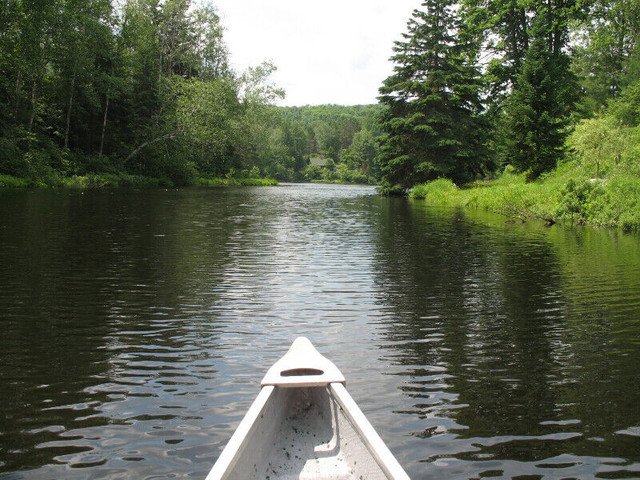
539	107
432	125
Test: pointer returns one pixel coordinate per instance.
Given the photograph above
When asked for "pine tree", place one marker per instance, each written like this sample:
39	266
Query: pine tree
432	123
539	107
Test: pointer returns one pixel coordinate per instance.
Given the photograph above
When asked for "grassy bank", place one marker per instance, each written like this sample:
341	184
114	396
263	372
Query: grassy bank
108	180
568	195
102	180
235	182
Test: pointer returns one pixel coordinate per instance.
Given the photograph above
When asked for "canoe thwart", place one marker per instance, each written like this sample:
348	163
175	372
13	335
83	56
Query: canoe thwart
302	366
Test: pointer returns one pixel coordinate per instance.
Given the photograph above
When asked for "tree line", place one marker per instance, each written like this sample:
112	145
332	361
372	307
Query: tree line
331	143
482	84
140	86
144	88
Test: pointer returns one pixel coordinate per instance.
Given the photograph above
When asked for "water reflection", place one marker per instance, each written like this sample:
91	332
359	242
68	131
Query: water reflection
136	327
98	346
487	338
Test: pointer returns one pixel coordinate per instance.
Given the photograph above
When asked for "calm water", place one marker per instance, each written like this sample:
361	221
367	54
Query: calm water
135	328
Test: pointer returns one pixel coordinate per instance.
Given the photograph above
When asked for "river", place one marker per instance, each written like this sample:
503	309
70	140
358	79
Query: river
136	327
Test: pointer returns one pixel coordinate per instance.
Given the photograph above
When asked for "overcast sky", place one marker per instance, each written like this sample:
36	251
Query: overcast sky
330	51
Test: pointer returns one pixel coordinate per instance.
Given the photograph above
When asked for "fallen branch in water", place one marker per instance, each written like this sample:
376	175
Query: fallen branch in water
513	211
504	214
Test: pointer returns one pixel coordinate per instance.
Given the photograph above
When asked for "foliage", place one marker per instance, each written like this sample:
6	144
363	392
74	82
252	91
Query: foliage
389	190
339	173
580	199
12	182
90	181
140	87
99	93
566	195
601	141
438	189
605	56
235	182
626	108
347	136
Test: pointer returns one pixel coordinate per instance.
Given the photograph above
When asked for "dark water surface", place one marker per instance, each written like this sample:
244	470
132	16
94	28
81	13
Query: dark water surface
135	328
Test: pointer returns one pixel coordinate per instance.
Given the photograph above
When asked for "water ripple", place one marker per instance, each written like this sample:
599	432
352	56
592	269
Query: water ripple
137	326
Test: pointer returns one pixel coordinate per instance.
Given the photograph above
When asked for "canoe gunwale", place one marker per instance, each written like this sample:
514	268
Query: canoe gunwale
368	435
233	450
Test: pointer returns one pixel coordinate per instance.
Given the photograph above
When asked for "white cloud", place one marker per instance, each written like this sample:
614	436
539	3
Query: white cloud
335	51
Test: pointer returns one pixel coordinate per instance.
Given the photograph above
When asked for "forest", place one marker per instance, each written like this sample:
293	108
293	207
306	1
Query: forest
484	93
95	93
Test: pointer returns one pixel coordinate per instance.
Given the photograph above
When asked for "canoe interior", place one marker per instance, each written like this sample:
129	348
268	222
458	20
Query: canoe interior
303	433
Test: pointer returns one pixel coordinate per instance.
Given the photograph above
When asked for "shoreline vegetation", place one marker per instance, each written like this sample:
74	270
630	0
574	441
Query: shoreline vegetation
530	110
566	196
123	180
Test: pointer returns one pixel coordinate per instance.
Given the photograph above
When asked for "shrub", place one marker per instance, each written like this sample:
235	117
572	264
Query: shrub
438	189
389	190
9	181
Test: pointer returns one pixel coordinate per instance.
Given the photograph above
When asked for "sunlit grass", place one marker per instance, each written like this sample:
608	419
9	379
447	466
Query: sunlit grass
569	195
8	181
235	182
120	180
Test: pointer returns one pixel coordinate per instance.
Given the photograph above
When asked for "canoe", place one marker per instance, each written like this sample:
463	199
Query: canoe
305	425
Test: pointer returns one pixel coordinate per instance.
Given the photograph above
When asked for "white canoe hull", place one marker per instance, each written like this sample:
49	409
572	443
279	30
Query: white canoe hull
305	432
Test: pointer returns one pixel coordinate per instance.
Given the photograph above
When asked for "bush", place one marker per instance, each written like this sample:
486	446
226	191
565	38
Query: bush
389	190
580	201
9	181
438	190
235	182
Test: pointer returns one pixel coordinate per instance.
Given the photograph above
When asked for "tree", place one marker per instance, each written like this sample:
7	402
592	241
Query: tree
600	141
210	46
295	138
605	56
328	137
539	107
432	122
503	28
362	152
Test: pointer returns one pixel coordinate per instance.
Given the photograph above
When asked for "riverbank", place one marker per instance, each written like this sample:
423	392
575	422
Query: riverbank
125	180
568	195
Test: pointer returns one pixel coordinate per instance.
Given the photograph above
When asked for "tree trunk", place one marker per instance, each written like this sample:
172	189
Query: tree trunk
70	106
104	124
34	105
18	89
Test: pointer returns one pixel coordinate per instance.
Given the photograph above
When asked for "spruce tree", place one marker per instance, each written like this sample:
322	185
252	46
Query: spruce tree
432	123
539	107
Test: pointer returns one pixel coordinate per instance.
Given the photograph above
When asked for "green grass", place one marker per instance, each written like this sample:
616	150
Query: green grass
106	180
235	182
89	181
568	195
7	181
124	180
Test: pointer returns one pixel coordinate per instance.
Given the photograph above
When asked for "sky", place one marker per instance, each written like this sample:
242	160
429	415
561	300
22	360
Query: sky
329	51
